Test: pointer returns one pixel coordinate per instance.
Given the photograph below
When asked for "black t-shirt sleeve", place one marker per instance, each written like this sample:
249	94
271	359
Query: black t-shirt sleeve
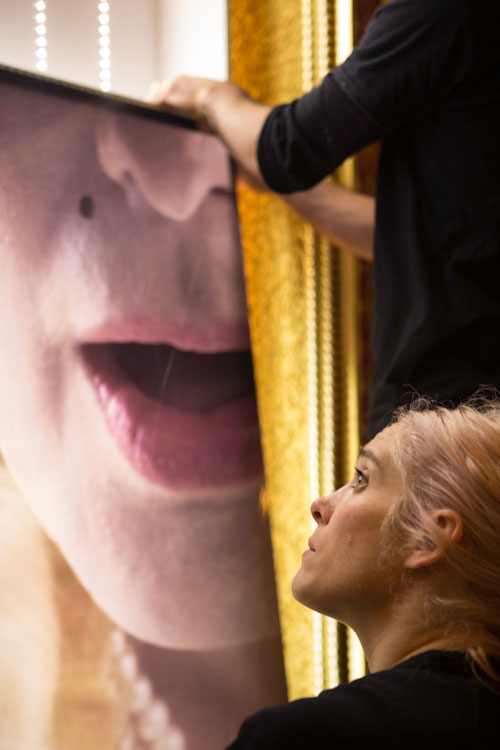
408	59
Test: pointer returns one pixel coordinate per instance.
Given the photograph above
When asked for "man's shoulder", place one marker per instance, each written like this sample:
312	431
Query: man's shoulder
425	6
426	12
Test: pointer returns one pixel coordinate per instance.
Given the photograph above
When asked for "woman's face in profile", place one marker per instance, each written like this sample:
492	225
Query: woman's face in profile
345	573
128	413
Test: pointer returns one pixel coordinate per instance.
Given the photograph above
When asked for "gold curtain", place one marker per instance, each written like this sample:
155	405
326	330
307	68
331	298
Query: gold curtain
304	313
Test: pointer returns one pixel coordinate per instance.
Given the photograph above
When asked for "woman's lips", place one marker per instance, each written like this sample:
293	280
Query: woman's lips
183	441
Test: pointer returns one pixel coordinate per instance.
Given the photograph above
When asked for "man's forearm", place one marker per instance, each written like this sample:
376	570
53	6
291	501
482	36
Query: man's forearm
345	217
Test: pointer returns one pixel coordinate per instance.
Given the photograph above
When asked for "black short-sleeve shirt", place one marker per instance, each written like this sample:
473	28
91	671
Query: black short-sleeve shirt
425	79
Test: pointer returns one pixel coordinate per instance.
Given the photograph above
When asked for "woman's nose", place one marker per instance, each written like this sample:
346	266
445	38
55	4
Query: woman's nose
322	509
169	167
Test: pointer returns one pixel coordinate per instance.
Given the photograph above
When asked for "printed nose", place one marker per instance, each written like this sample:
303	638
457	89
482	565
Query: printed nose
169	167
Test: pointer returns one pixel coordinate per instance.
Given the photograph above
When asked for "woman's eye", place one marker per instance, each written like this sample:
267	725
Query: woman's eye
360	478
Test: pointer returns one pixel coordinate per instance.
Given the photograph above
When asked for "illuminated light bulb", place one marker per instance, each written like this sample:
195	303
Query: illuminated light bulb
41	54
104	30
104	52
41	65
104	64
41	41
105	86
104	41
41	29
103	7
105	75
40	18
40	5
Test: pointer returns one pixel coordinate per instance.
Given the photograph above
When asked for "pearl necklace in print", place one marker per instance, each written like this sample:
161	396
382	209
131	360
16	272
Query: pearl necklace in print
149	725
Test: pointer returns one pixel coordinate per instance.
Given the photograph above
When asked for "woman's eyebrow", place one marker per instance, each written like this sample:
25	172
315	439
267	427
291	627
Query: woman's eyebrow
366	453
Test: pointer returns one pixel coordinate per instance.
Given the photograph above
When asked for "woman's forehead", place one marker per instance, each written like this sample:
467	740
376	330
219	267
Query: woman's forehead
379	447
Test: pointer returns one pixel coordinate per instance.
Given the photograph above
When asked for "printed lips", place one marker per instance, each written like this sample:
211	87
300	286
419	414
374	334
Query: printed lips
184	420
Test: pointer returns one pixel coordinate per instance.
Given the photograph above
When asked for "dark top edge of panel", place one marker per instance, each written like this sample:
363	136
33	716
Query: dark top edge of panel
68	90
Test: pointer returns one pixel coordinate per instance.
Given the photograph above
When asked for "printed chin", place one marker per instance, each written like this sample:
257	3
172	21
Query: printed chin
203	581
201	627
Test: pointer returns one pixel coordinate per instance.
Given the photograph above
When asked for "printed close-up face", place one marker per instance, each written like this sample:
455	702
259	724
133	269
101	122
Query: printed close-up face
341	573
128	415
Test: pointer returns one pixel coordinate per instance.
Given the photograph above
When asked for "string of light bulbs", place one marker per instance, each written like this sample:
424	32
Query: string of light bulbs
41	36
104	46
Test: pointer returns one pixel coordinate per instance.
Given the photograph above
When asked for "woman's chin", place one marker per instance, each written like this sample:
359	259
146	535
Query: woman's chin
303	591
299	587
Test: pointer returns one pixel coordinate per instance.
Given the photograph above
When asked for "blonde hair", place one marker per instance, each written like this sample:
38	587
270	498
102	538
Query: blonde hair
450	458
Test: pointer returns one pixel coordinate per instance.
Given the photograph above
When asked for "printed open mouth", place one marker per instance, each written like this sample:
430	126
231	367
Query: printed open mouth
186	380
184	420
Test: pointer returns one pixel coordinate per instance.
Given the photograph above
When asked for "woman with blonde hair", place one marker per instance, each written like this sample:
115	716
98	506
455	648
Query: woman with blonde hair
408	555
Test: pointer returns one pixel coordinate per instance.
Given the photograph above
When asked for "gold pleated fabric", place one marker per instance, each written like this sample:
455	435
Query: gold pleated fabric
304	310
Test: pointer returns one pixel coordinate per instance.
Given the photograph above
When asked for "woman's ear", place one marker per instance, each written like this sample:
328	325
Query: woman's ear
426	552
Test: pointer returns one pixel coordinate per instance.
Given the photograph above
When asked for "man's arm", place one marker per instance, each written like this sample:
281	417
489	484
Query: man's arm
345	217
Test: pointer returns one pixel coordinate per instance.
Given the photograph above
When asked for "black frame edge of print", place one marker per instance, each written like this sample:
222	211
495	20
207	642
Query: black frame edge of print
27	79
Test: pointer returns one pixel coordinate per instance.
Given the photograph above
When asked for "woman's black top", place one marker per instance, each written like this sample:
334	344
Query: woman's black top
431	700
425	79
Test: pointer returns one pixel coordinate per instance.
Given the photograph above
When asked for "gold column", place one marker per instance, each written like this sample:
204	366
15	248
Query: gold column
302	301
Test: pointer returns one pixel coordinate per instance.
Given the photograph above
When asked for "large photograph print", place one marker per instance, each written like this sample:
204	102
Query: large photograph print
137	604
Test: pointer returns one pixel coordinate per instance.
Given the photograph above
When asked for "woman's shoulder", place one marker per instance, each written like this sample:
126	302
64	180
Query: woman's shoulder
402	706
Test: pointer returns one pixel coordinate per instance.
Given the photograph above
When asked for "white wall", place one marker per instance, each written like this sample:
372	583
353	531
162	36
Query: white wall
150	39
194	38
17	33
134	45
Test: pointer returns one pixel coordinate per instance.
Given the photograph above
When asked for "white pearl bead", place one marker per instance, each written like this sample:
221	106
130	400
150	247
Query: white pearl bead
127	743
118	642
140	695
128	666
154	721
162	743
175	740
